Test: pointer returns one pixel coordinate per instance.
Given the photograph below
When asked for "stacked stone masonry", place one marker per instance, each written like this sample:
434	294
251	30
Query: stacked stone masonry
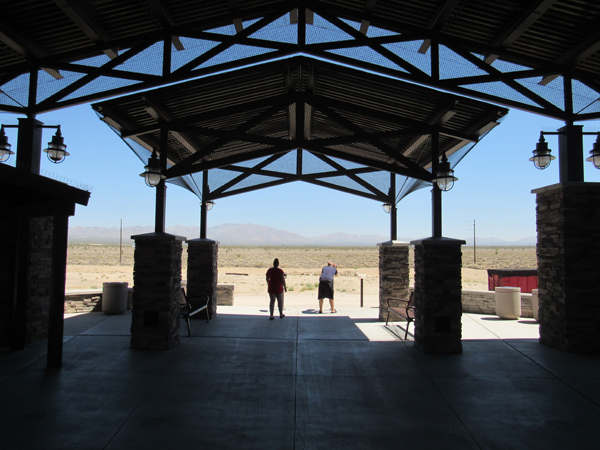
225	294
157	294
40	278
438	307
393	275
568	268
202	274
91	300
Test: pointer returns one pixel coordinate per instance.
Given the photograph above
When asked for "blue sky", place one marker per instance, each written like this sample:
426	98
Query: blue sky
494	187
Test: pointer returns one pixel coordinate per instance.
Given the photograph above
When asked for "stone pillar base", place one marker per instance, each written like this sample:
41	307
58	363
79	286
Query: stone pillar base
157	291
393	275
568	252
202	274
438	305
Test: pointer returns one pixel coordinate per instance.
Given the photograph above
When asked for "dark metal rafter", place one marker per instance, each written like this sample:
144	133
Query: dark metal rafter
183	167
518	27
359	132
315	147
349	174
229	41
246	172
18	42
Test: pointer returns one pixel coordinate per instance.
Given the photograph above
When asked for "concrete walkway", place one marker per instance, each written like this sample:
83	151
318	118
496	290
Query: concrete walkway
308	381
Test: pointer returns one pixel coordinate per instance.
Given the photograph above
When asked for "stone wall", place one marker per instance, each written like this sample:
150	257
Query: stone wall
484	302
91	300
393	275
568	252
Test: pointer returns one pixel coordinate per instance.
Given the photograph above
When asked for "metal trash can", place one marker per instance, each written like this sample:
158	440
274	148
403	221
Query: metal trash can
535	304
508	302
114	297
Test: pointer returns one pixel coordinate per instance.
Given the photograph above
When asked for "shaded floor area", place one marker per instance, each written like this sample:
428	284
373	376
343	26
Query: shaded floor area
308	381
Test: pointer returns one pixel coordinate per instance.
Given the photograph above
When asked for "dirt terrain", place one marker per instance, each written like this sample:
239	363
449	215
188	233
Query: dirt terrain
91	265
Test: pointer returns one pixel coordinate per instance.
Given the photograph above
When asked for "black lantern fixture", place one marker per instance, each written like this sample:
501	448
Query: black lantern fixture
57	150
5	150
387	207
445	175
595	154
542	155
152	173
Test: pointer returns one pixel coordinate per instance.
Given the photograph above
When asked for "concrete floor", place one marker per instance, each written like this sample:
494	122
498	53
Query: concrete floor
308	381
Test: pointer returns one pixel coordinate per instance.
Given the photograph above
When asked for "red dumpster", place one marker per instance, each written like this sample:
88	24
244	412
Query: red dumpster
526	279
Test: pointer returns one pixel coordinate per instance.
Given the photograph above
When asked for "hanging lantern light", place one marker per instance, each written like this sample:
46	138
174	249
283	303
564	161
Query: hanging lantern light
595	154
152	173
57	150
542	155
445	175
5	150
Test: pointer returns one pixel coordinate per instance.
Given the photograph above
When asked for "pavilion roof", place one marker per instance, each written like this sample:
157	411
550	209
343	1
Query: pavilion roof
538	55
299	119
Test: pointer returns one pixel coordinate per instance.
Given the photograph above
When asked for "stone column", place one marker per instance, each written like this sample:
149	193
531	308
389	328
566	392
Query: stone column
156	291
568	252
438	306
202	274
393	274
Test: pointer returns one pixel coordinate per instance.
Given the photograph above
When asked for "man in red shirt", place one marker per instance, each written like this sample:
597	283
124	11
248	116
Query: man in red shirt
276	286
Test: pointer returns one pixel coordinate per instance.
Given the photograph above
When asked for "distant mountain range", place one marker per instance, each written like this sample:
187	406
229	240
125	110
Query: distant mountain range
235	234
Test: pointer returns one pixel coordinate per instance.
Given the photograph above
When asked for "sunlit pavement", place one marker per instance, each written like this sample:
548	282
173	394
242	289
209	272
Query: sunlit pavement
308	380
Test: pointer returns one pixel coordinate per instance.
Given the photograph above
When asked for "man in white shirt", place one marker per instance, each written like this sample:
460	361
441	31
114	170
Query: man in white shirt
326	285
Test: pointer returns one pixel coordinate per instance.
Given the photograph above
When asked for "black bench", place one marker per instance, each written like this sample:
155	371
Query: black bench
187	310
405	309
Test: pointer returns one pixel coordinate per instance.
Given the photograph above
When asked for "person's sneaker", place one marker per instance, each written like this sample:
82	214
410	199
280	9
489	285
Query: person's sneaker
281	316
271	318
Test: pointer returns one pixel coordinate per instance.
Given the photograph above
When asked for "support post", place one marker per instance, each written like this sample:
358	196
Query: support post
393	274
155	321
161	207
394	211
29	145
568	250
60	234
203	211
21	291
438	296
202	274
436	212
436	192
393	222
161	188
570	153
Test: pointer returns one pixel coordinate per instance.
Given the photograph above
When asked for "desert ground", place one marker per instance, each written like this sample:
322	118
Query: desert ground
91	265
